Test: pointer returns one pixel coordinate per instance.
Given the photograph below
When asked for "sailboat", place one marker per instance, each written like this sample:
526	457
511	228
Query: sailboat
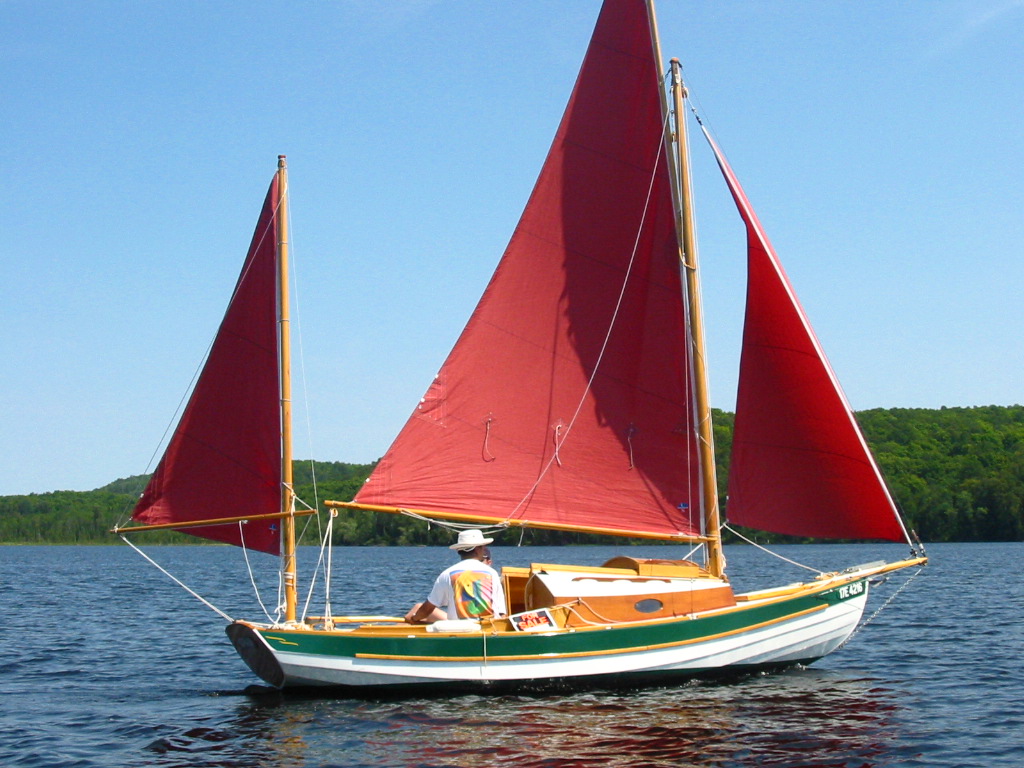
576	399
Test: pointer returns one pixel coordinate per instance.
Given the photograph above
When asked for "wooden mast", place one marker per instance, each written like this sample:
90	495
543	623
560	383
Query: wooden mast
702	404
679	169
288	564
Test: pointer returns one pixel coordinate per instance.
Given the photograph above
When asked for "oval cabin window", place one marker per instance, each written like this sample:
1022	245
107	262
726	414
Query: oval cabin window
649	605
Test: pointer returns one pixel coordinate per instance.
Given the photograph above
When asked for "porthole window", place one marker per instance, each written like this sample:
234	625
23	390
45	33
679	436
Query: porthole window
649	605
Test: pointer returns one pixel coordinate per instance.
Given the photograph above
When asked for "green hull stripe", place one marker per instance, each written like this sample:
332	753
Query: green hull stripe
622	639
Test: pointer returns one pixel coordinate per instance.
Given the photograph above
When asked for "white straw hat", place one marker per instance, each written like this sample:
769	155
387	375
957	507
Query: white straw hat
470	539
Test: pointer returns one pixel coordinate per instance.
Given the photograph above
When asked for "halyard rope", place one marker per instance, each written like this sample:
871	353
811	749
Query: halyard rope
608	333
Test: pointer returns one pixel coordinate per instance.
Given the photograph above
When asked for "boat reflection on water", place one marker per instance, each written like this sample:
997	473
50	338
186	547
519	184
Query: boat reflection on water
804	717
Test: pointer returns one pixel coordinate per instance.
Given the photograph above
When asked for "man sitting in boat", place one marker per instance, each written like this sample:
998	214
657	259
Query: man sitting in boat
470	589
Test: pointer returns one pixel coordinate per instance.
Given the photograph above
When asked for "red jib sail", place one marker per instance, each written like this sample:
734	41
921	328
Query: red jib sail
800	464
224	459
567	401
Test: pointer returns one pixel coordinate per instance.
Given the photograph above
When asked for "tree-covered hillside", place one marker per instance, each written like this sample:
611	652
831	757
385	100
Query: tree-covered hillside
86	517
956	473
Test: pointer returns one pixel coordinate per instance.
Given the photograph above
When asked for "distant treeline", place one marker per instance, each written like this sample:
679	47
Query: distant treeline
956	473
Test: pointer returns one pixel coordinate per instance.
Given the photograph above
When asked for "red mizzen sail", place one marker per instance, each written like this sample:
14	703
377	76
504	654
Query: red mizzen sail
224	459
567	401
800	464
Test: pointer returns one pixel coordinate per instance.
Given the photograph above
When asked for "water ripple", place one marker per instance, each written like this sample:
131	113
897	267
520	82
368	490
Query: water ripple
934	682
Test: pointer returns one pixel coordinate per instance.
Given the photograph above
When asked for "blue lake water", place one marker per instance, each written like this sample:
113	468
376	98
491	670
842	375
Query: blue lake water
105	662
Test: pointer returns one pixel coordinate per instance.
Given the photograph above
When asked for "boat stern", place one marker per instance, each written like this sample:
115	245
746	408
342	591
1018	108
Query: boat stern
256	653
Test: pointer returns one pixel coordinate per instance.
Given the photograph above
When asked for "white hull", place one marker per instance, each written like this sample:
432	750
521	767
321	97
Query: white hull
801	638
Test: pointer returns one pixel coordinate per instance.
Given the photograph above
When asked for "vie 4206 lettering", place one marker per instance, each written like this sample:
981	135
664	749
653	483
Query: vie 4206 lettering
851	590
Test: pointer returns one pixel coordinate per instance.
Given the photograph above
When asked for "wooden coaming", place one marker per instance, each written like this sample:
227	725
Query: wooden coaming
676	588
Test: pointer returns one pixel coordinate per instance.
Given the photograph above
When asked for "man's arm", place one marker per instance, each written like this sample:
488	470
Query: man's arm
419	613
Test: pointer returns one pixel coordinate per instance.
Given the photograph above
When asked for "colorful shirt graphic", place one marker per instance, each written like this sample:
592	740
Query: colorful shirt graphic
472	592
469	590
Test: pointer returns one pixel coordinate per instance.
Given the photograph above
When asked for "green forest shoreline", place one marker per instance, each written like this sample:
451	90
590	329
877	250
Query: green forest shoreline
957	474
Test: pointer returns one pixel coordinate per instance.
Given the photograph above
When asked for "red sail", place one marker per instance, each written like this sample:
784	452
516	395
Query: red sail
566	401
800	464
224	459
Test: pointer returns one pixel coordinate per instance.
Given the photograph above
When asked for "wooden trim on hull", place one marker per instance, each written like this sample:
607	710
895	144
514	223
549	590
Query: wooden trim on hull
490	659
787	643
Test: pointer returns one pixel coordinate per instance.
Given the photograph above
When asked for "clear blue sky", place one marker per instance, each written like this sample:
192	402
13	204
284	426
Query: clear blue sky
881	143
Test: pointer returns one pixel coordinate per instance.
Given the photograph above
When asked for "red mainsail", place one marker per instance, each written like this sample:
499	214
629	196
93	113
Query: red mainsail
224	458
800	464
566	401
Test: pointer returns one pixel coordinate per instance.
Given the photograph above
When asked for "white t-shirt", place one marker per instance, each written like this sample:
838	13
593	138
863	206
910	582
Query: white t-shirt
469	590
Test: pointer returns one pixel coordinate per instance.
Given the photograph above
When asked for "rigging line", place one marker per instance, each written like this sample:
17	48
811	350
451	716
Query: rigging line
611	325
281	599
696	351
248	565
696	109
302	356
694	101
292	250
320	561
689	424
602	620
452	525
753	543
328	611
693	551
308	522
178	581
294	284
882	607
300	500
